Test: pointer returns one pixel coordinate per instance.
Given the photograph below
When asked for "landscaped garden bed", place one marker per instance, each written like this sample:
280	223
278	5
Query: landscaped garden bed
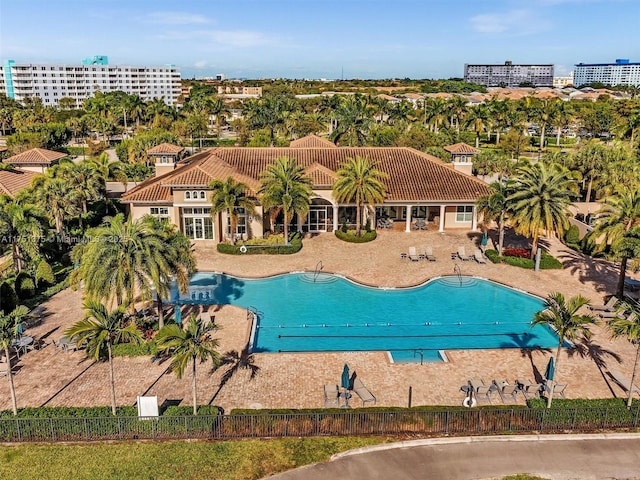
272	245
521	257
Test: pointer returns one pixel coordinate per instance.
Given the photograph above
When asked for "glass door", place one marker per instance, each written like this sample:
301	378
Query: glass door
317	219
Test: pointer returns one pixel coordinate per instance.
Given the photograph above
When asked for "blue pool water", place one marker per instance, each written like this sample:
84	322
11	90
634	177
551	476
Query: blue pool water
304	312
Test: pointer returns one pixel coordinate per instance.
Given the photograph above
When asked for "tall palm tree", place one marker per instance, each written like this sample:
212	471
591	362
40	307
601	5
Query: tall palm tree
353	121
25	225
457	107
495	207
220	111
562	315
194	344
359	181
478	118
435	113
128	255
284	187
10	331
57	195
230	196
100	330
540	199
629	328
618	222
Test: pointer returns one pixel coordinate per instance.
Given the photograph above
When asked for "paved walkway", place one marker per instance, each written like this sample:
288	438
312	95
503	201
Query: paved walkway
53	377
557	457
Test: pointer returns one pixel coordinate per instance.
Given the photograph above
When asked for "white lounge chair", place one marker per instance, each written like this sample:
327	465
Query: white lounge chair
413	256
623	381
362	392
527	388
428	253
477	254
462	255
607	307
331	396
558	389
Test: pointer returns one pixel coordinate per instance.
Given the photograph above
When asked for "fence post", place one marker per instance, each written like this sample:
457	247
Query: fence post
317	417
510	419
446	421
544	412
604	419
18	429
53	436
86	430
575	415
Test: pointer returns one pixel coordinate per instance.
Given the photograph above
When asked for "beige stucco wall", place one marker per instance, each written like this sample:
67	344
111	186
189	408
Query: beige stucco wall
450	219
139	211
33	168
178	198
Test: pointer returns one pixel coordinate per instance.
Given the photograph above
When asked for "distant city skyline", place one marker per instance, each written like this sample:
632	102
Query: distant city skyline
365	39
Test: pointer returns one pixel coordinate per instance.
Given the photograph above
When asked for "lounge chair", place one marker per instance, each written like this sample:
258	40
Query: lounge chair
428	253
413	256
362	392
623	381
508	390
483	393
527	388
607	307
331	396
612	314
558	389
477	254
476	384
462	255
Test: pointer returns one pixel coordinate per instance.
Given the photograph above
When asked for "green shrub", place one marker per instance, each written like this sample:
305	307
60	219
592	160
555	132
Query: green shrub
133	350
351	237
70	412
25	287
186	410
419	408
44	274
492	255
8	297
295	245
581	402
547	262
572	235
367	225
344	228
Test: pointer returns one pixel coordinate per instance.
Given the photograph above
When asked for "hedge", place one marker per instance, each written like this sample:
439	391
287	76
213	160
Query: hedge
547	262
351	237
133	350
105	411
420	408
294	246
581	402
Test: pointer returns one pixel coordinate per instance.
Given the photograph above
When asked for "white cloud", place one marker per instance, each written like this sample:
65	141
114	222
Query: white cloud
220	38
514	22
201	64
176	18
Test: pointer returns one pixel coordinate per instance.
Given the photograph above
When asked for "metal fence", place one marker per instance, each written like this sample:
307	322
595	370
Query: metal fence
414	422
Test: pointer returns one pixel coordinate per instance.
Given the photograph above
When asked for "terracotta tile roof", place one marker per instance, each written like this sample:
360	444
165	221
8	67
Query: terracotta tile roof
165	148
12	181
35	156
413	175
151	190
320	175
461	148
312	141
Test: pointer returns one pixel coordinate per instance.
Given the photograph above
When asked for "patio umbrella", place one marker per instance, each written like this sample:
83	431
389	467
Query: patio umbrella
551	369
345	381
485	239
177	313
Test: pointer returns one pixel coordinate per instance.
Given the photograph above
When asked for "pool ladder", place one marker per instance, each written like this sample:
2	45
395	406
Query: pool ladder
253	313
458	272
316	271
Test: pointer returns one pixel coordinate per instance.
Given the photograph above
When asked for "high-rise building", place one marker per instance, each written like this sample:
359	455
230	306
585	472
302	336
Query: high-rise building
53	82
622	72
509	75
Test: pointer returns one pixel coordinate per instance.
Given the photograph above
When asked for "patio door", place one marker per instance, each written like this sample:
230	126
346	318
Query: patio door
317	220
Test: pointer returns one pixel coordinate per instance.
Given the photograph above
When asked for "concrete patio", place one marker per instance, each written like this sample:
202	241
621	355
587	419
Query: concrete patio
54	377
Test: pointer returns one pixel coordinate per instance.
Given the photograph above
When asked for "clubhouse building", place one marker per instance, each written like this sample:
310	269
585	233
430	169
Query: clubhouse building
423	192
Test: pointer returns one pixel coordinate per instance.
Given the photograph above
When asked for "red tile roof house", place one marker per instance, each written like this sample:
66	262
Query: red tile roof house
419	186
35	160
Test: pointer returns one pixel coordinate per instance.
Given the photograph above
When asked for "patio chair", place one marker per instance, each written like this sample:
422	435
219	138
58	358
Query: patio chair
612	314
607	307
331	396
529	389
476	384
477	254
362	392
483	393
462	255
413	256
623	381
428	253
509	390
558	389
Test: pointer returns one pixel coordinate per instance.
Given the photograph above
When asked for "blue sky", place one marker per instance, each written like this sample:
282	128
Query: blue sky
320	39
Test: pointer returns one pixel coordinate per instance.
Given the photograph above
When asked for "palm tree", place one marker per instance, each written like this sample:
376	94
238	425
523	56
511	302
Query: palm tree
24	224
194	344
230	196
435	113
495	208
457	107
284	187
618	223
361	182
478	118
128	255
629	328
57	195
10	331
353	121
100	330
563	317
220	111
540	199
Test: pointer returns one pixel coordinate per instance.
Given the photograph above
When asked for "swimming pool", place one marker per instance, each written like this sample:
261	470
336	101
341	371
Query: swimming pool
307	312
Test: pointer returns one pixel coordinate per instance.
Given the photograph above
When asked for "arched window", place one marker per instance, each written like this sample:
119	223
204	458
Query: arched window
203	195
187	195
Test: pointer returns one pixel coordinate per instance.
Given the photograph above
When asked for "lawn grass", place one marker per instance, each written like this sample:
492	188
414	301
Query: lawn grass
241	460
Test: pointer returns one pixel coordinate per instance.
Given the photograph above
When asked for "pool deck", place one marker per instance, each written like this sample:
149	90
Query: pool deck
53	377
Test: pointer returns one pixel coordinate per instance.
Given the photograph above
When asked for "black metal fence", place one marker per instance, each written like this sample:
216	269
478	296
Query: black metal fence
415	422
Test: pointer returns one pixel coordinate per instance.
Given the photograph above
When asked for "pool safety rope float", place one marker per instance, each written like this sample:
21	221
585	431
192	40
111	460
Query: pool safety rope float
243	249
469	402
